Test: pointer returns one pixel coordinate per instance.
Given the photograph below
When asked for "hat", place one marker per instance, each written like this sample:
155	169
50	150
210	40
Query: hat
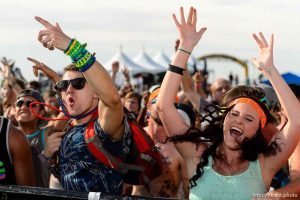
272	99
31	93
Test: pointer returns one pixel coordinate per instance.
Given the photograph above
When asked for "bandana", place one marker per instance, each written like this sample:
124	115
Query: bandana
256	106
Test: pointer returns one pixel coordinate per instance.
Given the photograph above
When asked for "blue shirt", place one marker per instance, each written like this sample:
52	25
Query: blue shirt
80	171
214	186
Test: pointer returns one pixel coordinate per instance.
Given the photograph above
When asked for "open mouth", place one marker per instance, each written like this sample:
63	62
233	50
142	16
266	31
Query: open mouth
235	131
70	101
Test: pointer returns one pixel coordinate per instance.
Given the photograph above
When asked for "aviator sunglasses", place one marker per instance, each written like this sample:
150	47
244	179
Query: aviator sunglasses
77	84
20	103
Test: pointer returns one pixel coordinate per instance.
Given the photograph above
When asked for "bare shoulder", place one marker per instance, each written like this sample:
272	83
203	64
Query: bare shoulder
16	140
15	133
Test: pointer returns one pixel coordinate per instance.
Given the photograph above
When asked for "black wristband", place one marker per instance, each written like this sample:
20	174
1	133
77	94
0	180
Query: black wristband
175	69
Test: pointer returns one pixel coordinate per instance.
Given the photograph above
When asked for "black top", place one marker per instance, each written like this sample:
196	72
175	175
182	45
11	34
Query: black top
7	172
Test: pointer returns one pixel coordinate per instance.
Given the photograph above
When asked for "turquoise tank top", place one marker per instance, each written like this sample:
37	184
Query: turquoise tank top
214	186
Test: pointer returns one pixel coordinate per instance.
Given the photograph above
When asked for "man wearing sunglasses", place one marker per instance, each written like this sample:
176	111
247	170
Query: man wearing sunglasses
173	183
34	129
82	93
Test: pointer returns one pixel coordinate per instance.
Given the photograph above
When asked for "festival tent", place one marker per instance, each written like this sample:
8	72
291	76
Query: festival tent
144	60
125	61
289	77
162	59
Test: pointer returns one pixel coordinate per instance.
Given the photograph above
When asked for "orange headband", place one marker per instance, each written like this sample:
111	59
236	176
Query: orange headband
154	95
256	106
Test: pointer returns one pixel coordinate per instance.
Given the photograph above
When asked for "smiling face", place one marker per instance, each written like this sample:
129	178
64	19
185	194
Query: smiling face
241	122
78	101
23	112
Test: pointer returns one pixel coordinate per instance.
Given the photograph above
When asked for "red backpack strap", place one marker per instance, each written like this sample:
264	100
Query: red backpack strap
96	148
148	155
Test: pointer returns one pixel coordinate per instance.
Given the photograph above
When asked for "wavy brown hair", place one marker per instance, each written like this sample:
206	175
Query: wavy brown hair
213	132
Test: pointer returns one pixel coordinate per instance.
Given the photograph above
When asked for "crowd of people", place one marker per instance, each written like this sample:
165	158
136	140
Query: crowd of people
87	133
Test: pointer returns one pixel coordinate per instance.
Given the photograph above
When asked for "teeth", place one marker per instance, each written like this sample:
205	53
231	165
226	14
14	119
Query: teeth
236	129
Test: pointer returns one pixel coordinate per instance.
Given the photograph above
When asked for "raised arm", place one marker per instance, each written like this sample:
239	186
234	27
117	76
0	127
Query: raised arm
110	106
173	122
39	66
188	89
290	134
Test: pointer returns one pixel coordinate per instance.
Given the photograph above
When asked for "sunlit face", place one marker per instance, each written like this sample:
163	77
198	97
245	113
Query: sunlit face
218	89
132	104
78	101
23	112
241	122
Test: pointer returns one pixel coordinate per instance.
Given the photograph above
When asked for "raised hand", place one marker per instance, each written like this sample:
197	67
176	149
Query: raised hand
45	69
188	35
264	62
125	72
7	67
52	37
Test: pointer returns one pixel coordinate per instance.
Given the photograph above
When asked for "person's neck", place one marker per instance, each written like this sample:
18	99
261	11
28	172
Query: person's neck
84	119
29	127
231	157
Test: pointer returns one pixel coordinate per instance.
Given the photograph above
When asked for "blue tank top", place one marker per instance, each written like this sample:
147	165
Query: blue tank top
214	186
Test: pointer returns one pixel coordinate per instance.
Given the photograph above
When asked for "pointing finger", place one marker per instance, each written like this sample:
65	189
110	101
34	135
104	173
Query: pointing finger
45	23
33	60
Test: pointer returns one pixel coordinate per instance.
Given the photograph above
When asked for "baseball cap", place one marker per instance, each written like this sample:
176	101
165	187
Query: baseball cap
31	93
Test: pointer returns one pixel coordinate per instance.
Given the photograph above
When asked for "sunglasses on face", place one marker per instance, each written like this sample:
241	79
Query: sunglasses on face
77	84
20	103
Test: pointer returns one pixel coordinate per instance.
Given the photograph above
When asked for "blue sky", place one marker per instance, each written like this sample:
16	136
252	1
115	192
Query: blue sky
136	24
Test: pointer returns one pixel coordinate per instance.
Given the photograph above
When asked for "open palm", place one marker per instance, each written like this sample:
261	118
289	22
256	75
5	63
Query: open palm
265	58
187	28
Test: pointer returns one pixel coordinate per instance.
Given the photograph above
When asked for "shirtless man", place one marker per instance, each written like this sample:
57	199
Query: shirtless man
174	177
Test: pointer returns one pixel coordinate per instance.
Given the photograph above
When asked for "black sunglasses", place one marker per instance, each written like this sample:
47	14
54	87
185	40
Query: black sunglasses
77	84
20	103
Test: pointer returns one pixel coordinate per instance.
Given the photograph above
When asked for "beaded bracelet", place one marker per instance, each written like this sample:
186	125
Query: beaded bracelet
175	69
71	42
82	58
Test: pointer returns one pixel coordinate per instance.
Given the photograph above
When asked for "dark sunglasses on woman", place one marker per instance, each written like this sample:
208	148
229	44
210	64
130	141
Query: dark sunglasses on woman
20	103
77	84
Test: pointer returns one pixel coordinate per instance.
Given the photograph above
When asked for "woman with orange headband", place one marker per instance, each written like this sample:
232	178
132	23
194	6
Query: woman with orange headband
229	158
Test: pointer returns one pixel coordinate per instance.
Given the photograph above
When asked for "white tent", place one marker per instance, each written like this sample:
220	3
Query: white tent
162	59
125	61
143	59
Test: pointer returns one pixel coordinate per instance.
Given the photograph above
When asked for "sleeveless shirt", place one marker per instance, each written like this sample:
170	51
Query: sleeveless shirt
7	171
214	186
